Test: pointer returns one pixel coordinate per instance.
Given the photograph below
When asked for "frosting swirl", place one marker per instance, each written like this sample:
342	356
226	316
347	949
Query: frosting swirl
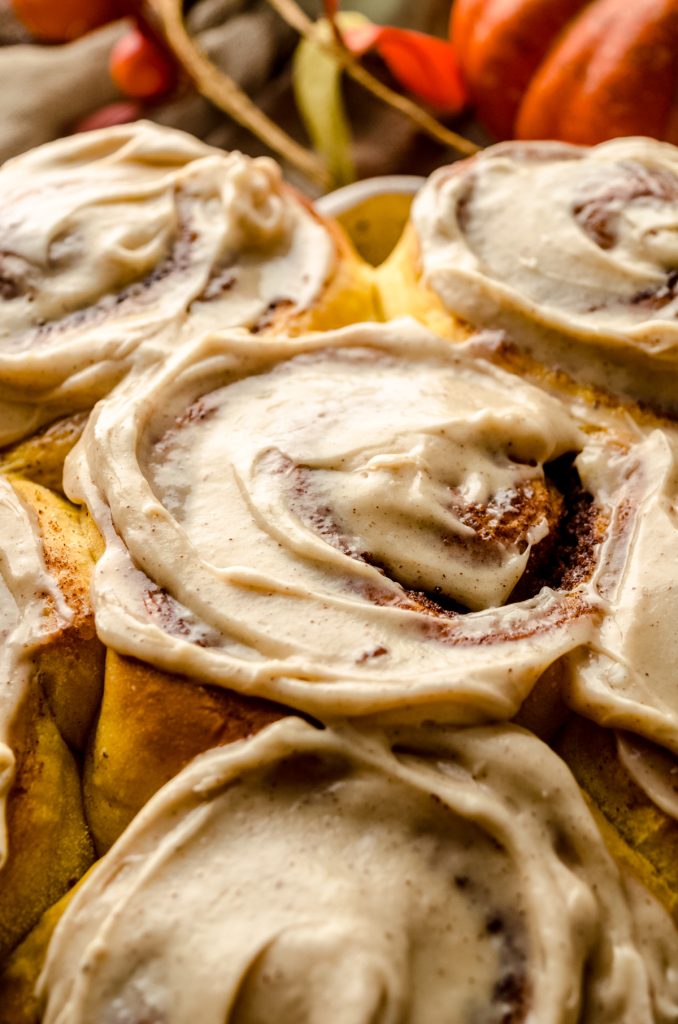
360	522
311	875
110	239
563	240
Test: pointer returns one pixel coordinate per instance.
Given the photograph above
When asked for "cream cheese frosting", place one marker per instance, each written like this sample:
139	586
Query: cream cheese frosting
566	241
653	769
627	677
346	524
331	876
31	610
116	238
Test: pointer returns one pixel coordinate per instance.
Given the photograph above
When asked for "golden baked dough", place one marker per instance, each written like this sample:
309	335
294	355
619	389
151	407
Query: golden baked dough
48	840
70	668
403	291
41	456
638	831
348	297
150	726
19	974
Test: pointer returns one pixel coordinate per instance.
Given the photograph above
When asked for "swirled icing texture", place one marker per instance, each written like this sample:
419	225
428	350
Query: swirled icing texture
273	511
31	609
582	242
331	877
109	239
654	770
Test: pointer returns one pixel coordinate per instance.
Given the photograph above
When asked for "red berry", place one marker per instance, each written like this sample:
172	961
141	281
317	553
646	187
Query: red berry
113	113
140	67
57	21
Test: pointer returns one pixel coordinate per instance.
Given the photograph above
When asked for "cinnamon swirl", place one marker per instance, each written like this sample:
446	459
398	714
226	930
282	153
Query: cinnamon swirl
370	521
114	242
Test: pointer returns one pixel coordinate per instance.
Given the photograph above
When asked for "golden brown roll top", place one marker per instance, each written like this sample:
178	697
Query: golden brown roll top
120	239
567	248
370	521
336	876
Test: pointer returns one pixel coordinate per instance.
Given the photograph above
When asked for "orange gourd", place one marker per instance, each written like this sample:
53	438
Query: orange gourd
57	21
578	70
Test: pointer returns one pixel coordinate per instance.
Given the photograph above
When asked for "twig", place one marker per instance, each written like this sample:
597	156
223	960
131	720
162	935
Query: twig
291	12
223	91
331	17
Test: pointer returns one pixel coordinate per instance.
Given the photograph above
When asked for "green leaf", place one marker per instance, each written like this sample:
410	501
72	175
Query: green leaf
316	78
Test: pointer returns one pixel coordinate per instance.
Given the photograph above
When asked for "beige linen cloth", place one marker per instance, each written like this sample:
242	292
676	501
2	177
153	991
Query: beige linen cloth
47	89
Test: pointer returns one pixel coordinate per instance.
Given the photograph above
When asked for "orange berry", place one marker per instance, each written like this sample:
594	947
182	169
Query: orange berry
57	21
140	67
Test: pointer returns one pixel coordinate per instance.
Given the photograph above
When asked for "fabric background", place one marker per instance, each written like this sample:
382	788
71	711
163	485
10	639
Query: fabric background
47	89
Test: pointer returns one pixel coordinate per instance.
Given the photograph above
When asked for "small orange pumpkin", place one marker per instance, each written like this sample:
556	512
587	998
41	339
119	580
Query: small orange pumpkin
578	70
57	21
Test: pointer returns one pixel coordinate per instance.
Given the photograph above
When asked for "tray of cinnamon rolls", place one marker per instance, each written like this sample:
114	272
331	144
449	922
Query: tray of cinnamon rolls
338	603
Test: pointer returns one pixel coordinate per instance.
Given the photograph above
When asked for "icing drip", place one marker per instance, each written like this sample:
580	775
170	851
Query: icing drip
653	769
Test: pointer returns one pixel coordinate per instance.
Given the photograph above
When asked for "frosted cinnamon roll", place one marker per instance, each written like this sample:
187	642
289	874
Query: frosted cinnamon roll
31	611
50	679
368	522
116	239
332	876
567	247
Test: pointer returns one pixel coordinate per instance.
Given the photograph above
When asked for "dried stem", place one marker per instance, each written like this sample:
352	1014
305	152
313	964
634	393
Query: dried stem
292	13
225	94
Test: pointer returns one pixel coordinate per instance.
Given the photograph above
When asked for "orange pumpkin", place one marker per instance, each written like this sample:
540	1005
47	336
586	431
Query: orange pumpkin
577	70
57	21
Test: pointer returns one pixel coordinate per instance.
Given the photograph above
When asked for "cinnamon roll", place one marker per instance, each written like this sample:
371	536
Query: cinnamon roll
332	875
53	721
50	680
113	243
398	538
372	522
573	250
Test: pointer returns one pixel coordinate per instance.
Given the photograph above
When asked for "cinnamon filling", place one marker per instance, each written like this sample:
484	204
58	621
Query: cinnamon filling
177	262
599	210
562	560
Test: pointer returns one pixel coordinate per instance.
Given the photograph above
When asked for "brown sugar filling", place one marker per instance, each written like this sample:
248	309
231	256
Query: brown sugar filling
598	211
562	560
177	261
